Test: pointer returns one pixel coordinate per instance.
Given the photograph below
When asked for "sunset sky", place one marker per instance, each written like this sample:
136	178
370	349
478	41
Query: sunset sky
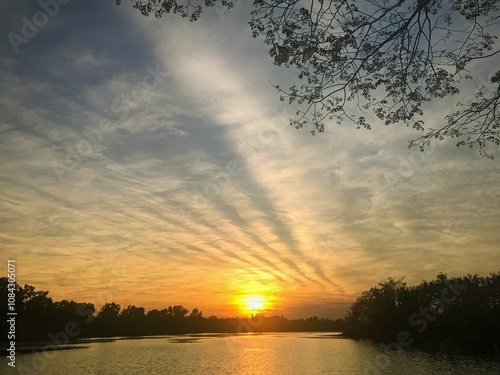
150	162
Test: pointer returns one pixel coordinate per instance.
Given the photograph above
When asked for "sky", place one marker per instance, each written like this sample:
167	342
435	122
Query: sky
150	162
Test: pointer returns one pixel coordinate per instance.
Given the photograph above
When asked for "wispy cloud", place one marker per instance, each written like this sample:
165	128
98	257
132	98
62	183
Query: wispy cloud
191	188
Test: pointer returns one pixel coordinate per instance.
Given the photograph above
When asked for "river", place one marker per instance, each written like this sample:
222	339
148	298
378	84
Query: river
244	354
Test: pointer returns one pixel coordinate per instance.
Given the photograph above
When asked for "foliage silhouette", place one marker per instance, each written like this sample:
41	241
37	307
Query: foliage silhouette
464	310
378	62
38	317
37	314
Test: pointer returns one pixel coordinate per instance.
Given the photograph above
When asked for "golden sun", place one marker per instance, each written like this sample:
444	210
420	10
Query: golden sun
253	304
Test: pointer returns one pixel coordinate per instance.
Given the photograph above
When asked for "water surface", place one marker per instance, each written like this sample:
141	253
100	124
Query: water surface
245	354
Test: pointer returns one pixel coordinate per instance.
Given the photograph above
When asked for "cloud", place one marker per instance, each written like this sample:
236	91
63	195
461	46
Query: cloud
194	185
75	60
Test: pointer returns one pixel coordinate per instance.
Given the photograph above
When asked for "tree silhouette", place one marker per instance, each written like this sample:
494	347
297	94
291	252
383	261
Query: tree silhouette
107	319
38	315
374	313
36	311
379	61
178	311
40	318
132	320
196	314
465	310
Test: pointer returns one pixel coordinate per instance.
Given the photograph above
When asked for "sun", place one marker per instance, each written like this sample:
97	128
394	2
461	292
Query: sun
253	304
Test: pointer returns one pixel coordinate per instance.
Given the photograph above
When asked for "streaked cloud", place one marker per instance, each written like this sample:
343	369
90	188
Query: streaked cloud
155	166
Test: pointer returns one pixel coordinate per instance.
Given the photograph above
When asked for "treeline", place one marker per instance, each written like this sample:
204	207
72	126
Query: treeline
462	310
40	318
